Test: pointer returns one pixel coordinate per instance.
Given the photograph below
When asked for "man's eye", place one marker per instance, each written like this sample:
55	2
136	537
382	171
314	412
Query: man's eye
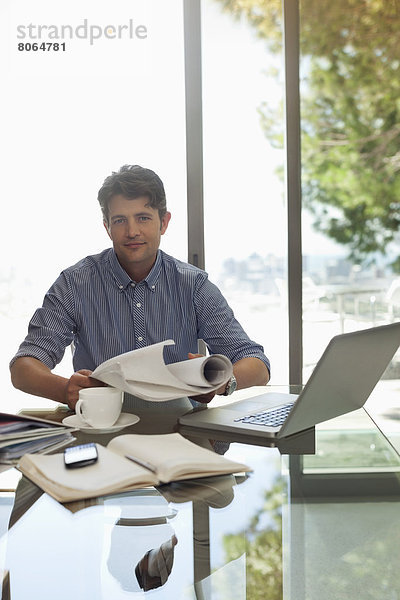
117	221
142	219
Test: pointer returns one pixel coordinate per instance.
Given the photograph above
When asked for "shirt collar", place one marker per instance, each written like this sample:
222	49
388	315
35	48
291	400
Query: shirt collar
154	274
122	278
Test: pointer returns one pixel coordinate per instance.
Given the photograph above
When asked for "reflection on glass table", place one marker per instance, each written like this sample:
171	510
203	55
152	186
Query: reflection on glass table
342	520
298	527
142	541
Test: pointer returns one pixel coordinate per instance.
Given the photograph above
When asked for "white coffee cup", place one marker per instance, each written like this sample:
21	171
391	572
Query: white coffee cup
99	407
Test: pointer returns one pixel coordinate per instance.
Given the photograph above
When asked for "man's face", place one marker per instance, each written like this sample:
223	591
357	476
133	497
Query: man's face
135	230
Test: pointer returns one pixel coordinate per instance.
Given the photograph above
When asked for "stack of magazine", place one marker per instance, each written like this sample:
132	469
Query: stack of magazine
21	434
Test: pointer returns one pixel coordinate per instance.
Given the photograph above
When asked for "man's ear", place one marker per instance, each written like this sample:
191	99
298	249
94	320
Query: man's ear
164	222
107	228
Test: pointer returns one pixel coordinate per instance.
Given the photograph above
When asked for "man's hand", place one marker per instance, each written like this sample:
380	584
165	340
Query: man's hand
79	381
206	398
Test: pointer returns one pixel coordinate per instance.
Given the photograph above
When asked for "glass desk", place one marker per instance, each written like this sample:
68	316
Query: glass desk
322	526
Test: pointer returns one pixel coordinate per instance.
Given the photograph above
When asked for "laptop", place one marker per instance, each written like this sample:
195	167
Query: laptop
341	382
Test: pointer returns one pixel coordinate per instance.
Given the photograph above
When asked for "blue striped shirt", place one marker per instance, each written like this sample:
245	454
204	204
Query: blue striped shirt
96	306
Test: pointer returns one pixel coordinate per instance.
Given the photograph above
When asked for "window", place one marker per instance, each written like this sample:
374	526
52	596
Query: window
245	212
350	140
68	118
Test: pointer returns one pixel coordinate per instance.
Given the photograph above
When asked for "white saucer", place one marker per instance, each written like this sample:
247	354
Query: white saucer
124	420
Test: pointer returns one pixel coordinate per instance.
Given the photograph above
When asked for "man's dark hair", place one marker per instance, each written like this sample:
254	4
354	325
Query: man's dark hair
133	181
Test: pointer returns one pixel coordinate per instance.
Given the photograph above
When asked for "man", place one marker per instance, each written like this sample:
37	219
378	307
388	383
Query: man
131	296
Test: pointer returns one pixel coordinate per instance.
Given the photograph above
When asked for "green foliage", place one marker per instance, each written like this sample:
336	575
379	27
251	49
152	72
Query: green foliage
350	109
263	548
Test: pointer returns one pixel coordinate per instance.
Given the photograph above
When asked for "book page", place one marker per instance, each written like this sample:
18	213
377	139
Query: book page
111	473
173	456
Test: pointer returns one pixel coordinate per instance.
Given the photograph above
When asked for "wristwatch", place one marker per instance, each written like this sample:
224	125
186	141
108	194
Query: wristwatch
230	386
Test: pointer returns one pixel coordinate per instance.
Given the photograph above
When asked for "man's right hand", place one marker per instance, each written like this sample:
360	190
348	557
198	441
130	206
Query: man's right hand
78	381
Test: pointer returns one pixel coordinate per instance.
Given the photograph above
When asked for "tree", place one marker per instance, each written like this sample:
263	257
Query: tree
350	109
263	546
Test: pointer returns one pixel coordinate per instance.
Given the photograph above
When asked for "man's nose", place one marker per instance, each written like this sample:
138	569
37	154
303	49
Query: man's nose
133	228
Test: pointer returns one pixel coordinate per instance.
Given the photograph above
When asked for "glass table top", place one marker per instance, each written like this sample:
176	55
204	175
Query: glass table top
321	525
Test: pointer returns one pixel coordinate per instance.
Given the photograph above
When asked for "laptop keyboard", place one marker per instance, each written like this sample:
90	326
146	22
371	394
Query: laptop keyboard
273	417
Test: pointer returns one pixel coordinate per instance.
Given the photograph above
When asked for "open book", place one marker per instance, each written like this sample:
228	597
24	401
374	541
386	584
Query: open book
171	456
143	373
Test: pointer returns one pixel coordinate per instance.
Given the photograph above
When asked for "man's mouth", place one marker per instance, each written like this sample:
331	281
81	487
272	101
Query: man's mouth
134	244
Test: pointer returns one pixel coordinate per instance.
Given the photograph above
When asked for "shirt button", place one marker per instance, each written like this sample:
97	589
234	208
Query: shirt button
153	287
121	287
132	284
138	304
140	339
